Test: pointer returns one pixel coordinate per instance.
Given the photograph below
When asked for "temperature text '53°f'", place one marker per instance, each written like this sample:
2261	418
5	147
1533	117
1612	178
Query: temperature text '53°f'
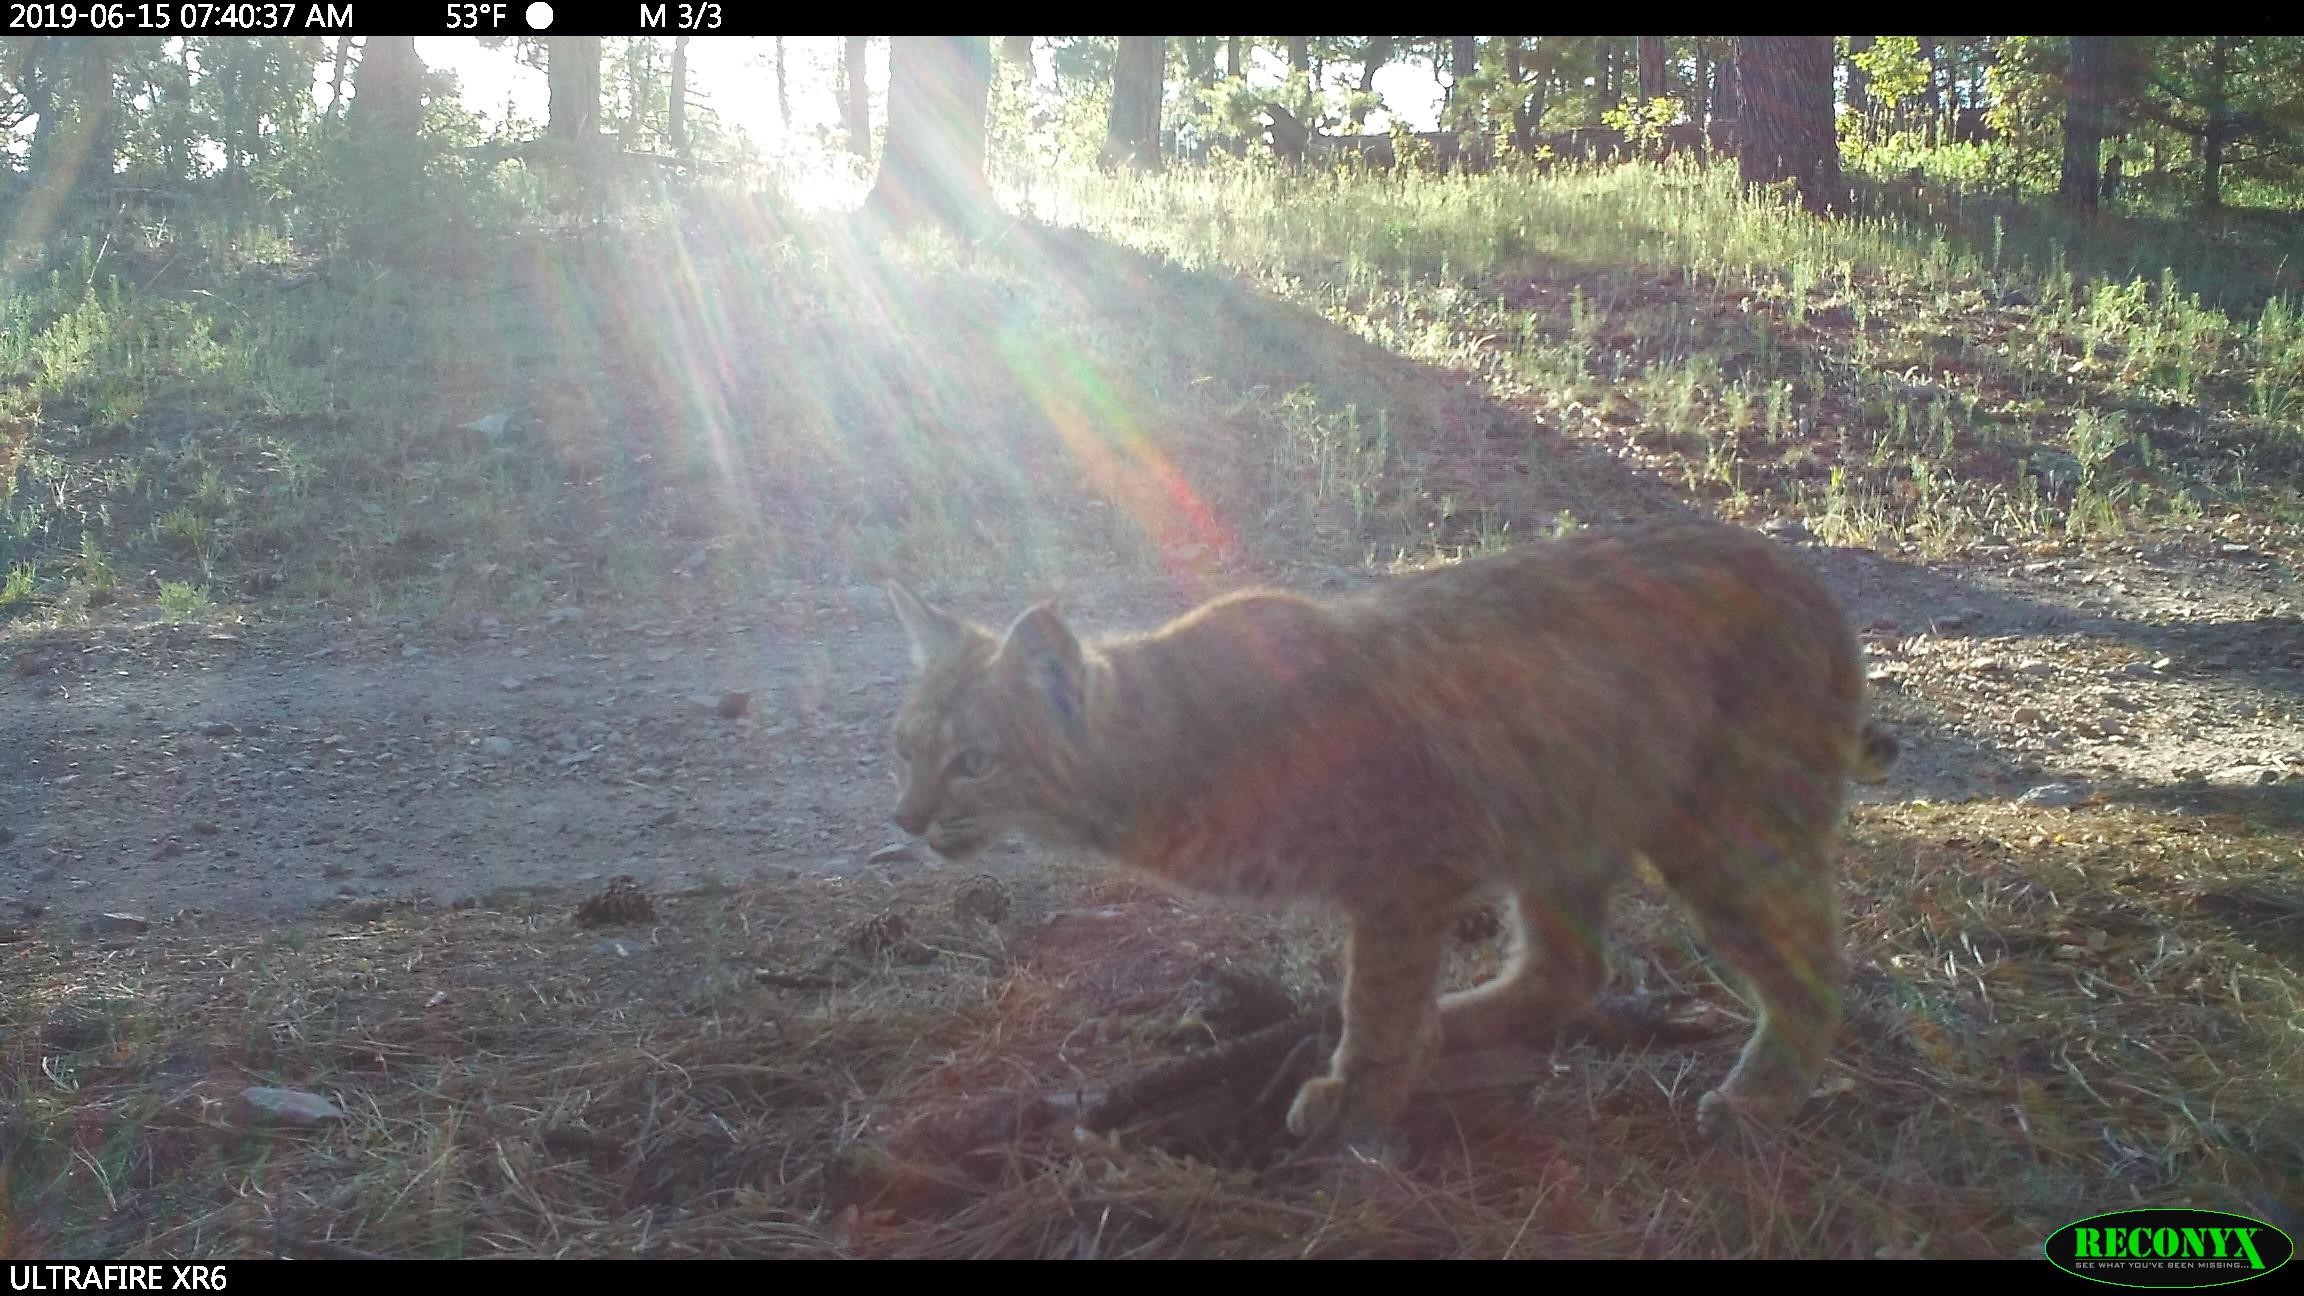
703	16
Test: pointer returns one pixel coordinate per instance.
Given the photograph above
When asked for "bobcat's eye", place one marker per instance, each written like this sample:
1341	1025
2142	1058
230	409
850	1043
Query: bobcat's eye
973	764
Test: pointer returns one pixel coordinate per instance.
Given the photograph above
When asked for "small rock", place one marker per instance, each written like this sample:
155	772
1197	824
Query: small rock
2245	775
2234	550
490	625
334	870
2110	726
2026	715
1984	665
496	746
27	664
203	828
294	1107
664	819
2035	667
2054	795
899	853
613	948
115	924
733	704
1789	530
411	650
2136	670
510	683
218	729
565	616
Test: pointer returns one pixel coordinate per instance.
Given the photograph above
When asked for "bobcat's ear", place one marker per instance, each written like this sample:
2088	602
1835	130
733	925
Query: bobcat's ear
935	634
1045	656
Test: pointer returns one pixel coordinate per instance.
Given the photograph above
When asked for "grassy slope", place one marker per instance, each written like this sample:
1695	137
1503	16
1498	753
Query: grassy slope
1221	372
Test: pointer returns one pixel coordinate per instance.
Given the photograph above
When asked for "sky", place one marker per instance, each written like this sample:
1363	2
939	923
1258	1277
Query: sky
735	75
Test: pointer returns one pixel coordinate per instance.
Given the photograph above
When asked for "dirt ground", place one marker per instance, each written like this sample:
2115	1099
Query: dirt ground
269	769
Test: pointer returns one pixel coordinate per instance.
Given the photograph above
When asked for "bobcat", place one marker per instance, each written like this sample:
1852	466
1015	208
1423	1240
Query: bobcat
1525	725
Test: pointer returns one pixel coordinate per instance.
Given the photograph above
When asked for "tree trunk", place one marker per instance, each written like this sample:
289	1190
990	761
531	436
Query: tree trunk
1232	58
676	119
1132	129
1786	132
2216	132
1515	71
1653	69
39	82
783	88
96	93
1931	98
1700	93
932	158
1463	62
1379	53
2081	180
1300	54
572	78
336	70
856	99
388	93
1727	101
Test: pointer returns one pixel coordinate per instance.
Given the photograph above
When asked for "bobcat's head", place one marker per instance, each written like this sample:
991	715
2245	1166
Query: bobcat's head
992	727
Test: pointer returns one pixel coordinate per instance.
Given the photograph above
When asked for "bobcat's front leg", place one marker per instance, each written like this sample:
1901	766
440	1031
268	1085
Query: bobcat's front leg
1391	979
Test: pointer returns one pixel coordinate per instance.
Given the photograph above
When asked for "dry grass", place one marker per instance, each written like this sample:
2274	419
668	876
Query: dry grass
2055	1012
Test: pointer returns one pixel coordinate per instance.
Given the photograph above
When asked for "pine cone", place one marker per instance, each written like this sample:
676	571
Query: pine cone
622	902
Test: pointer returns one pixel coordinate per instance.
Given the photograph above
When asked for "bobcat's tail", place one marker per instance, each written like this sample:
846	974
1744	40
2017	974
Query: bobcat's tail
1876	753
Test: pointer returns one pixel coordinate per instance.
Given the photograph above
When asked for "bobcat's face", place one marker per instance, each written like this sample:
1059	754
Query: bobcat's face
979	737
959	790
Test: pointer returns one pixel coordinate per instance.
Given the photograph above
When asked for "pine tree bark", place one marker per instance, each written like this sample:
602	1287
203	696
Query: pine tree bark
1786	128
1653	69
1727	101
387	94
336	70
1379	53
1233	62
96	93
932	157
783	87
1132	128
572	78
2081	180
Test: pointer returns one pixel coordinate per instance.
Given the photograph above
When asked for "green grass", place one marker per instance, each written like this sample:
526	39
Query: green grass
1227	360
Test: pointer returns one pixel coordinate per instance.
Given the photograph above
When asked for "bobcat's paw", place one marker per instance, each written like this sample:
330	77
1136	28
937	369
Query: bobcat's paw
1318	1109
1720	1117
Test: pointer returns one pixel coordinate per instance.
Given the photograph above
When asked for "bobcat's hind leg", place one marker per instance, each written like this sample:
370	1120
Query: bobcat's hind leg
1763	898
1557	964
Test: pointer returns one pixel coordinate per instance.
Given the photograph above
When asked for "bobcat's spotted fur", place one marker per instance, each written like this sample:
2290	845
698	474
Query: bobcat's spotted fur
1525	724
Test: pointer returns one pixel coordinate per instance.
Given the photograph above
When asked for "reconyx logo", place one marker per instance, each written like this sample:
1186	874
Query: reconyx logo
2169	1248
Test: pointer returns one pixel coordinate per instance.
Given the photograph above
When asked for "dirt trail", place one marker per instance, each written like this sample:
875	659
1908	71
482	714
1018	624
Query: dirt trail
154	768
